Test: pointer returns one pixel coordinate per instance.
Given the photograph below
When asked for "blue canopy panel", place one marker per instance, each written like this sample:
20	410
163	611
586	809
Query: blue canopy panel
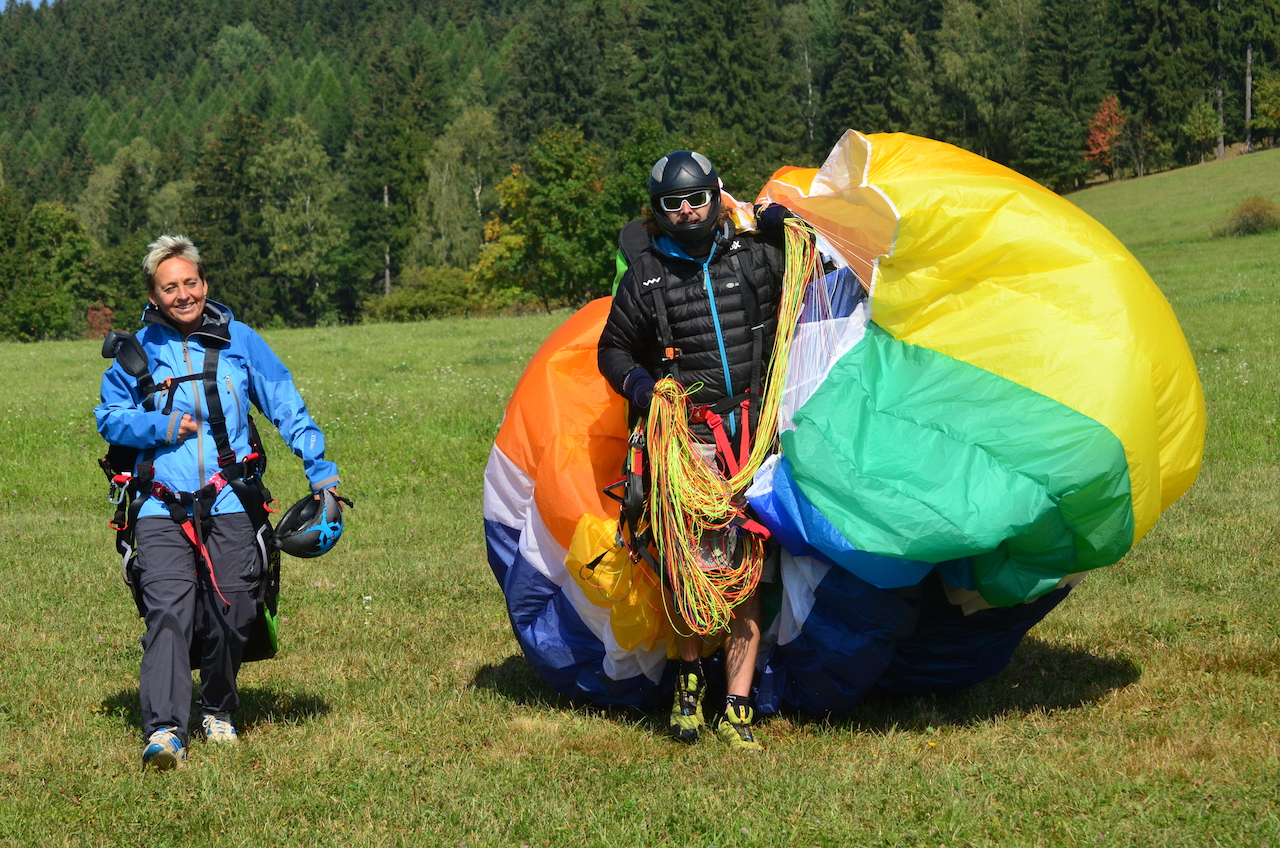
557	643
950	651
843	644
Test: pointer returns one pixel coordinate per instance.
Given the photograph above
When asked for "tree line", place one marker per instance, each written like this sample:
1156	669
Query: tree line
339	161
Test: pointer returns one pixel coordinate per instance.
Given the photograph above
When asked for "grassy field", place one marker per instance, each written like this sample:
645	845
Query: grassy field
1144	711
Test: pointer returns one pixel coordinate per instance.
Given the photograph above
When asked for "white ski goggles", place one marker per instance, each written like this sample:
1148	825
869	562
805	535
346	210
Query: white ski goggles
696	200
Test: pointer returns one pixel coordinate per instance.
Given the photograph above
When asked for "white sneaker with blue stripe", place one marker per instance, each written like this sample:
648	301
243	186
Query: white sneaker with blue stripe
218	728
164	750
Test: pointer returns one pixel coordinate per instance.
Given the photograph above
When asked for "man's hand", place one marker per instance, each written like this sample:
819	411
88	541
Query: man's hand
638	388
769	217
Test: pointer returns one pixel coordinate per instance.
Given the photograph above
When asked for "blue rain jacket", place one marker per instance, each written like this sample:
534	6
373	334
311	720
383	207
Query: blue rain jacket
248	372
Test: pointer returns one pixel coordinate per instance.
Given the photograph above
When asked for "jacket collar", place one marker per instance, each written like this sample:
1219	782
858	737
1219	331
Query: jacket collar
215	329
723	243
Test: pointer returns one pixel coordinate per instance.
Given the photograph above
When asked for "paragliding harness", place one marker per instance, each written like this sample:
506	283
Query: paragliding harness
631	490
191	511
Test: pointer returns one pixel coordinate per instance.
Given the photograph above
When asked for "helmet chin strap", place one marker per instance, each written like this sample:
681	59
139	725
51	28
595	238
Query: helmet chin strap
722	236
717	238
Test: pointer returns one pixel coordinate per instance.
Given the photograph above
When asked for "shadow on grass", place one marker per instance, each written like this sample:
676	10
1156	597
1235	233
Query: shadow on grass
515	680
1041	677
258	705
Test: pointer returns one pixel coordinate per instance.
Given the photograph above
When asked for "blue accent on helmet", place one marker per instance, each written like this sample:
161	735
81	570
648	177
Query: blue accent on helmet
311	527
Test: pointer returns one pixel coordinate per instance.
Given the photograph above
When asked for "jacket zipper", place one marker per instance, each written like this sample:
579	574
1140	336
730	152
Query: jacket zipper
715	319
199	419
227	378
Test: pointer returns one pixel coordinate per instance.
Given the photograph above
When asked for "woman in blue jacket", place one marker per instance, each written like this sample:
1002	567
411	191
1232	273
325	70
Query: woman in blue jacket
200	558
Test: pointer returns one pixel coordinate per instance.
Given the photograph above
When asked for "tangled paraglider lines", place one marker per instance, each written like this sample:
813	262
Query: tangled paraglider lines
693	505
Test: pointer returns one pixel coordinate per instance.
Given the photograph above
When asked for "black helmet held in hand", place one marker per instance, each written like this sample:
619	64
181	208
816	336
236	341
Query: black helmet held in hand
682	173
311	526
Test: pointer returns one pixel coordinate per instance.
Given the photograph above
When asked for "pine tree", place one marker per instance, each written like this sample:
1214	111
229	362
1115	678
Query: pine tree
868	71
129	208
571	65
12	258
980	71
713	71
1068	71
225	220
386	158
1166	65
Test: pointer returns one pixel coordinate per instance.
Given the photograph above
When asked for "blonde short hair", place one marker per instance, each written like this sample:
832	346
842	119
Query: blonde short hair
169	247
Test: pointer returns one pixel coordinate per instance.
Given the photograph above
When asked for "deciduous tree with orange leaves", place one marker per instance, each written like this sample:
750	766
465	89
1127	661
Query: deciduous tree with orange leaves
1104	129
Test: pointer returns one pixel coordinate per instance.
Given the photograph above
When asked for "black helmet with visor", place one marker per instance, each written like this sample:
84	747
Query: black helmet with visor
679	177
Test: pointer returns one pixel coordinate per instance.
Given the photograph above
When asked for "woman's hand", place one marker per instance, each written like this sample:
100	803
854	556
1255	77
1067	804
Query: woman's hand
186	427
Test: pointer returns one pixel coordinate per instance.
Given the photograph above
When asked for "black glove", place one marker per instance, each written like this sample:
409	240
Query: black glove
769	218
638	388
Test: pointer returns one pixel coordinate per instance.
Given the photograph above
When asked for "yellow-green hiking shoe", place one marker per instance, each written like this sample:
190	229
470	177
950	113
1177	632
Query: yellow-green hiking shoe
686	712
734	728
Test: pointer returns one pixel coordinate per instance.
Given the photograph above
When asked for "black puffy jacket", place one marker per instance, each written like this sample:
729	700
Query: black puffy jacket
745	272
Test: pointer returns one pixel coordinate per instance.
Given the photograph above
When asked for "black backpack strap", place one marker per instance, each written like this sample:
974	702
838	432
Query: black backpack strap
244	478
666	341
751	309
125	349
213	401
651	278
633	241
750	297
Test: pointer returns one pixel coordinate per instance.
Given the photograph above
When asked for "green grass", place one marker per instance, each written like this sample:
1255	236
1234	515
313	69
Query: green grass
1144	711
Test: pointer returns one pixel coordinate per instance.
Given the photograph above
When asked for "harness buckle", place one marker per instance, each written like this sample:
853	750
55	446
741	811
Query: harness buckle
670	354
704	415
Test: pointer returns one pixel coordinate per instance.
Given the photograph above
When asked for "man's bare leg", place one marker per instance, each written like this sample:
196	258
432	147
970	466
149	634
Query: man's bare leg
740	650
742	645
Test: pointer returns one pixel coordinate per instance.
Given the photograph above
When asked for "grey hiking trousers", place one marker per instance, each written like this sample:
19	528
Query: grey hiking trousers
181	604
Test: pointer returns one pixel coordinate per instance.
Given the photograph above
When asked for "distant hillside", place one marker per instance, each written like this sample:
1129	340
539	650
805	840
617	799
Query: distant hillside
1182	205
347	160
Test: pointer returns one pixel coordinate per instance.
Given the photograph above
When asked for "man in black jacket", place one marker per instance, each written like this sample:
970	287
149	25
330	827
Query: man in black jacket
699	302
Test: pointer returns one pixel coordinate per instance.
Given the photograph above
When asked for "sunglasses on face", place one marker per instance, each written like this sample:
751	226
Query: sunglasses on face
696	200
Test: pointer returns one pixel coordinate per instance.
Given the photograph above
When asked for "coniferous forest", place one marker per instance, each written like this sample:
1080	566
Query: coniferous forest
341	161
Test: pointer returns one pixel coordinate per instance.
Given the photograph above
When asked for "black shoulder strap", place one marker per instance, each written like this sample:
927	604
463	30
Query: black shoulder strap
670	353
651	279
750	297
751	309
252	492
632	241
127	350
213	400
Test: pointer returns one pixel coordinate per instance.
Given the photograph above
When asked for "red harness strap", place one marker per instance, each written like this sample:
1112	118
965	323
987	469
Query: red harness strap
705	414
716	422
188	526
